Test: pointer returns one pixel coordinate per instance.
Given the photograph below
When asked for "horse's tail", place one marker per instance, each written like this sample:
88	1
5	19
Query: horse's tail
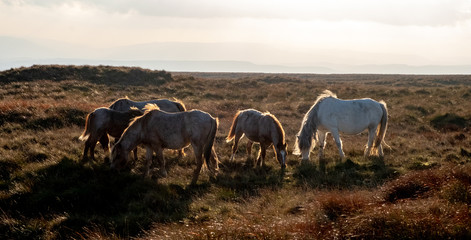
210	141
382	127
231	134
88	122
180	105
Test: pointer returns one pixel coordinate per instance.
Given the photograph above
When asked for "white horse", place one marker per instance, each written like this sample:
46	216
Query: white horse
330	114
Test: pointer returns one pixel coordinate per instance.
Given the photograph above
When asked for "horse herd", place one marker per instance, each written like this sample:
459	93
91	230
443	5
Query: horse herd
165	124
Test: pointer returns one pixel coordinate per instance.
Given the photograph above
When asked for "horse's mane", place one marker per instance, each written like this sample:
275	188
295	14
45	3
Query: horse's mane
325	94
151	106
278	126
148	108
309	124
180	104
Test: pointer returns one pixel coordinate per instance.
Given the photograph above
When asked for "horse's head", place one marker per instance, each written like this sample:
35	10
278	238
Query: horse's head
281	154
119	157
304	146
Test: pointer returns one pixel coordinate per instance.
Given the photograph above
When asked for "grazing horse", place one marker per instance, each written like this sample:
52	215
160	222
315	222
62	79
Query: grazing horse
158	130
123	104
330	114
263	128
103	122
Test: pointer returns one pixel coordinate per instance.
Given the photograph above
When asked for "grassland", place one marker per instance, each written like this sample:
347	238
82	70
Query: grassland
421	189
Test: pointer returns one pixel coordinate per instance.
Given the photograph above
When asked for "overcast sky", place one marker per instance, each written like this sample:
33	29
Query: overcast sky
290	32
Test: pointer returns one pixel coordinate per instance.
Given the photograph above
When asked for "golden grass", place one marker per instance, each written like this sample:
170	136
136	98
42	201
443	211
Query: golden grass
422	188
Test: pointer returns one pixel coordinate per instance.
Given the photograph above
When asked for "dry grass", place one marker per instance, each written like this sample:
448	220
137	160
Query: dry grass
421	189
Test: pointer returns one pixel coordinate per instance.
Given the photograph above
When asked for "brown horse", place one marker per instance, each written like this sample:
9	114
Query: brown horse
263	128
158	130
103	122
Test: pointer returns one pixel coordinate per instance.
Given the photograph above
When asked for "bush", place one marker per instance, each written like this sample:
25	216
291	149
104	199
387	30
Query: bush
449	122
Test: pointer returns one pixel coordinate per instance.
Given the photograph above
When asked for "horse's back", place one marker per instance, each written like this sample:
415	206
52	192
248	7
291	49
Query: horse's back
177	130
349	116
164	105
124	104
255	124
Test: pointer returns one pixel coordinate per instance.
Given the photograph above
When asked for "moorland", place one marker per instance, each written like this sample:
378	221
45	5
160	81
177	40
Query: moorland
421	189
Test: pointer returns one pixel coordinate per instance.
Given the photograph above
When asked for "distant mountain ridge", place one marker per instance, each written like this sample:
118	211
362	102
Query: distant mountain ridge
199	57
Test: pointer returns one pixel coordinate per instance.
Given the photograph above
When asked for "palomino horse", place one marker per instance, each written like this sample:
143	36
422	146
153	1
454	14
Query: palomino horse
263	128
330	114
158	130
103	121
123	104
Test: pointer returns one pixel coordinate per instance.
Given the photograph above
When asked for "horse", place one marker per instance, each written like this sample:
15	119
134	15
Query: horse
103	122
330	114
157	130
263	128
123	104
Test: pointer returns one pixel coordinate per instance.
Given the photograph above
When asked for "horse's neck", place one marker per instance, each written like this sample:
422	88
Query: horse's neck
132	136
310	123
279	136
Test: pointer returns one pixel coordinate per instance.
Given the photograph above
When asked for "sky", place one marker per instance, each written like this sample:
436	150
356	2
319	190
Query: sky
292	33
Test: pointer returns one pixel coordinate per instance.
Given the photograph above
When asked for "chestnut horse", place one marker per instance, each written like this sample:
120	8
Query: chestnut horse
263	128
103	122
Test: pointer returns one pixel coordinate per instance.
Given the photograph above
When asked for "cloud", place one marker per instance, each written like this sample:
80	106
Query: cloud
391	12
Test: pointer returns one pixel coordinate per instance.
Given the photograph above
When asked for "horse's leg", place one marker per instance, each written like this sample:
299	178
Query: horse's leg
371	138
261	156
336	135
249	148
234	147
148	161
92	143
85	150
322	142
380	150
105	144
199	162
214	160
160	157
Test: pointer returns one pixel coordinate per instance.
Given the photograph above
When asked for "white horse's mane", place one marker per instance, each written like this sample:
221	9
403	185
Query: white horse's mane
325	94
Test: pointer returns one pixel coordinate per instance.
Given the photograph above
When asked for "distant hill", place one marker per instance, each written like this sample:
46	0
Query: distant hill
210	57
95	74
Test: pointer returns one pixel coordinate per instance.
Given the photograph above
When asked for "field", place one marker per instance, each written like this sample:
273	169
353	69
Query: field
420	190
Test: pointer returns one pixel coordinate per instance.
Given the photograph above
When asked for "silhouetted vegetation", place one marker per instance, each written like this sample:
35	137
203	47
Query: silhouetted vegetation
99	75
